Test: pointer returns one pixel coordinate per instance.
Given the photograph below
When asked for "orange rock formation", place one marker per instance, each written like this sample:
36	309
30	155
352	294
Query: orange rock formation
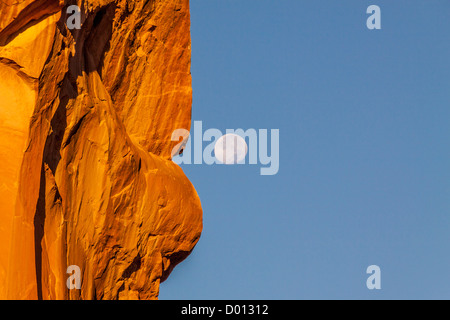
86	176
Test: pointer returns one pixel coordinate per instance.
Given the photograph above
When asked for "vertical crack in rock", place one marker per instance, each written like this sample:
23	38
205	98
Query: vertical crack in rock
85	146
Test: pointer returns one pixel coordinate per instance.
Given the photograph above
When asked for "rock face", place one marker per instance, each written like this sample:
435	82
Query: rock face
86	176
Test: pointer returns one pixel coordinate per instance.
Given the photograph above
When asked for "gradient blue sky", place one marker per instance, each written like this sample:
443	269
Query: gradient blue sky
364	119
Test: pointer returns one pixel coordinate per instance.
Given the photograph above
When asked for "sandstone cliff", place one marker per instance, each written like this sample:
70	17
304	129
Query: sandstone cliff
86	176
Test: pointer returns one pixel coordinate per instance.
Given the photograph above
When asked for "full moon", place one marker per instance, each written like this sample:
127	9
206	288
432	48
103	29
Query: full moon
230	149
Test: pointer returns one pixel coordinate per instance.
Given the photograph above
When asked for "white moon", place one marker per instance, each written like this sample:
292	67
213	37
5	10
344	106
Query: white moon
230	149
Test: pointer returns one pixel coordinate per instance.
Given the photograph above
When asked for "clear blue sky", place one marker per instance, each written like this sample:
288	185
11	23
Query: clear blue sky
364	120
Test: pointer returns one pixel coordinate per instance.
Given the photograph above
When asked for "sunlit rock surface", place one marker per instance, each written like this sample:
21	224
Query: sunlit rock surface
86	176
